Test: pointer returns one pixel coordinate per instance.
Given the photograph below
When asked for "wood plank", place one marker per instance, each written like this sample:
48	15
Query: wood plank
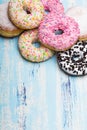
39	96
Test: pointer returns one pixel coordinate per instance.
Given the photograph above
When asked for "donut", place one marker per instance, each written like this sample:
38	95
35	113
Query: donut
80	15
7	29
58	32
53	6
44	2
26	14
29	51
74	60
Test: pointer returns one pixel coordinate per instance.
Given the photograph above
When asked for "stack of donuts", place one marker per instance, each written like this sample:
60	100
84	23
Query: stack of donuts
57	32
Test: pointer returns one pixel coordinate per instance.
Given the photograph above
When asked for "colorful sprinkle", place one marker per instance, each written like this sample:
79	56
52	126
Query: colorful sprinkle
29	51
51	25
53	6
26	14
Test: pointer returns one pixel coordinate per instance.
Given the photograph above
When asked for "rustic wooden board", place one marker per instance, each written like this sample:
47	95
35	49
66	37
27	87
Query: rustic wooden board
39	96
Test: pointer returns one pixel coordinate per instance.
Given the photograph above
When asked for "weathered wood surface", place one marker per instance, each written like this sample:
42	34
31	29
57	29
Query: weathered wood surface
39	96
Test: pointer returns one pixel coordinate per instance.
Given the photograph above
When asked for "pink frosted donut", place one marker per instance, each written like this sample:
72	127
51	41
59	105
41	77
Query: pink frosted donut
53	6
58	32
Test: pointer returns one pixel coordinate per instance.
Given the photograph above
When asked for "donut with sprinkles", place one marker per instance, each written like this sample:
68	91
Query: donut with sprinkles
29	51
26	14
58	32
53	6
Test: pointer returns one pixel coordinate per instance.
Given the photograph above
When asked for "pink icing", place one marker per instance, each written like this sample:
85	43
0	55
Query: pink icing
55	22
53	6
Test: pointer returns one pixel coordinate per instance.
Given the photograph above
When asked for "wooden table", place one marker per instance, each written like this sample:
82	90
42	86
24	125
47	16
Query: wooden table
39	96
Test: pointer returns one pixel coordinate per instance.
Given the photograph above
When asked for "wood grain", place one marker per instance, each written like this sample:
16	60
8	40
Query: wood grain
39	96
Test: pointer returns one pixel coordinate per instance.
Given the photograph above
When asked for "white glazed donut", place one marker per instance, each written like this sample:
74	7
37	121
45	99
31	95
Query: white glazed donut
80	15
7	29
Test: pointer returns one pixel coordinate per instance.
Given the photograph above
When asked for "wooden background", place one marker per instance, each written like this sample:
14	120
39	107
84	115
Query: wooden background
39	96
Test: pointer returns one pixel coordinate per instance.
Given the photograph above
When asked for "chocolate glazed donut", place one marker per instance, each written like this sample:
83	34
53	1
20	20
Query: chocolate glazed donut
74	60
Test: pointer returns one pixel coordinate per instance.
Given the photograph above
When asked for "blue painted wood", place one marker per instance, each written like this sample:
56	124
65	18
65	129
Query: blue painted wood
39	96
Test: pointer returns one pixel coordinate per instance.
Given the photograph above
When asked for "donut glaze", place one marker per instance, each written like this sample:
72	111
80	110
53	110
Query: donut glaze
44	3
53	6
80	16
26	14
29	51
68	28
74	60
7	29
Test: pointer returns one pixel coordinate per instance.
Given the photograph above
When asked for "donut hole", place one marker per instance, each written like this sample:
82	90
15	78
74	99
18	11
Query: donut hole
47	11
77	57
36	44
26	10
58	32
